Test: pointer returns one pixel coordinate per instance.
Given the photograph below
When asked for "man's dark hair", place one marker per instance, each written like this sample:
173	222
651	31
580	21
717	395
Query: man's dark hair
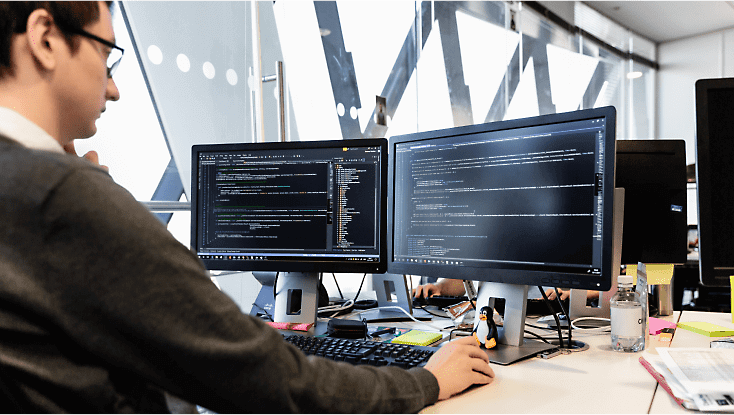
66	14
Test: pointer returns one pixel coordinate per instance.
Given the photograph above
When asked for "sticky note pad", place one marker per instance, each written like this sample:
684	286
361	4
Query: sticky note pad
291	326
707	329
659	273
418	338
656	273
657	325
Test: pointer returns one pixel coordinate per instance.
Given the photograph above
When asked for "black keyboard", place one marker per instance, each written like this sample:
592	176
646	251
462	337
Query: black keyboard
364	352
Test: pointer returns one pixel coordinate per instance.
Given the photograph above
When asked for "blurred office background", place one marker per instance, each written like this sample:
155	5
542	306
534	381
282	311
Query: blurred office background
192	70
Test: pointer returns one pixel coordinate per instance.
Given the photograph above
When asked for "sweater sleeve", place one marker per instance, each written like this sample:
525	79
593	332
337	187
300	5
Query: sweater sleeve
132	298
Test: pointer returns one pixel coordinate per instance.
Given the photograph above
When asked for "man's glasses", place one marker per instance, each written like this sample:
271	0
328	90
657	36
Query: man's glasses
116	52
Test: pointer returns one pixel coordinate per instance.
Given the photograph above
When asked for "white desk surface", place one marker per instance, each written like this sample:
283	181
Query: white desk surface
663	402
598	380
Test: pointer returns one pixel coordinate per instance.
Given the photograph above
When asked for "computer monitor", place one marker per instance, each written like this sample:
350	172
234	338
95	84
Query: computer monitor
715	179
298	208
653	175
517	203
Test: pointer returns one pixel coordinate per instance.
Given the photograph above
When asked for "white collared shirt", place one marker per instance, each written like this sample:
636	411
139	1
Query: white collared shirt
18	128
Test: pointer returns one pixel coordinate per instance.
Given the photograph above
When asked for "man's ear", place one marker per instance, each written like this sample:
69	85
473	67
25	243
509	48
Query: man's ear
43	38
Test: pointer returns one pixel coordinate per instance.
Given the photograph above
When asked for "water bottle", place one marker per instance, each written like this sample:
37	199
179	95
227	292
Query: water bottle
627	319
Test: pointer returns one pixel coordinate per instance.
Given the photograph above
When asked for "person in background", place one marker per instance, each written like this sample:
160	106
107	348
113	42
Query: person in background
101	309
451	287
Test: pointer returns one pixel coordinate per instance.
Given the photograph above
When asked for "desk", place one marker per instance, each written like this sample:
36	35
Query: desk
662	402
597	380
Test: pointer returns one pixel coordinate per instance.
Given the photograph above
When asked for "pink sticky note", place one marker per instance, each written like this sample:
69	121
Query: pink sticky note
657	324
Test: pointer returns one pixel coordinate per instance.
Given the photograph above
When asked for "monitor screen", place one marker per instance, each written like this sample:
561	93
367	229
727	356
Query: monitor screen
527	201
312	206
715	179
653	175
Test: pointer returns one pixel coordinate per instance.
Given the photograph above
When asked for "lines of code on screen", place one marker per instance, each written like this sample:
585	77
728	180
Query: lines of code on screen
290	202
510	197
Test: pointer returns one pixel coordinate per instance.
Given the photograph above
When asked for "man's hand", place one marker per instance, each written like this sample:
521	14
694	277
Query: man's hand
92	156
425	291
551	293
458	365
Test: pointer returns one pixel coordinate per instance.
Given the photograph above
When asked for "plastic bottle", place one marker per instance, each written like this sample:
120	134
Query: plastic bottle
626	317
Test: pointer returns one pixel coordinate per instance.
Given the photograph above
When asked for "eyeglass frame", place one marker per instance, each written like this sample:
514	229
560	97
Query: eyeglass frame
81	32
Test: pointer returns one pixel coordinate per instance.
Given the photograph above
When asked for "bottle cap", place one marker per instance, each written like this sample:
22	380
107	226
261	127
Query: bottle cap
625	279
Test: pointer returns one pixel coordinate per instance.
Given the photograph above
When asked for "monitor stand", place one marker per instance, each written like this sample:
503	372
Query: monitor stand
296	297
392	291
511	343
264	303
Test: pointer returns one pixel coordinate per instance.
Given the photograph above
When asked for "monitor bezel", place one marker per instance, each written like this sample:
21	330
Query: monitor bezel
514	276
294	266
710	275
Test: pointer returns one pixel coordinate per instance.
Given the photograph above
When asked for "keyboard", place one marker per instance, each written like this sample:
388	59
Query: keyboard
365	352
441	301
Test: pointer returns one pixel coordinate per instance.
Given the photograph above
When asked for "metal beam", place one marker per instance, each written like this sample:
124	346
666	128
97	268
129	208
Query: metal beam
169	189
459	96
340	65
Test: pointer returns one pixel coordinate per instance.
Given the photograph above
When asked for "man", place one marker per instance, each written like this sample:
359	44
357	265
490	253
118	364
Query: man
101	309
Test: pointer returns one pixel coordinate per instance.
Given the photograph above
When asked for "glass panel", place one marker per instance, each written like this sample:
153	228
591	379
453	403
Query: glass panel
486	52
306	72
642	90
643	47
524	102
600	26
434	105
195	56
374	47
607	84
180	225
570	75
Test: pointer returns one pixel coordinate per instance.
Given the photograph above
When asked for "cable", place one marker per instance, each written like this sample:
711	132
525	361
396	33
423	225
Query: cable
348	305
599	329
337	286
265	312
275	284
555	316
536	335
563	310
360	287
422	307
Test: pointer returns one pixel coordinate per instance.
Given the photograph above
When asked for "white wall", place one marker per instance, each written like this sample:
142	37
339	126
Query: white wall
682	63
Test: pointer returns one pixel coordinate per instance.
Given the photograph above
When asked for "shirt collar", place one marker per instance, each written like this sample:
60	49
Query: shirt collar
18	128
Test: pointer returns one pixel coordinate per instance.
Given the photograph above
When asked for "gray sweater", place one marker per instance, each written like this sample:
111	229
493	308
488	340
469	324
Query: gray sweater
101	310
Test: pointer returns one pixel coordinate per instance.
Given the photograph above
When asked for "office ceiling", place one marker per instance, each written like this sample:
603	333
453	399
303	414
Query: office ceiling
664	21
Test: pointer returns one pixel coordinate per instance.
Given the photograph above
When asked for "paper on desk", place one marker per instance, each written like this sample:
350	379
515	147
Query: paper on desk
707	375
656	273
701	370
676	388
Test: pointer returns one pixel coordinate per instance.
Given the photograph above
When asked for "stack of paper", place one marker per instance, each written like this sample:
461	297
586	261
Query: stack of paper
697	378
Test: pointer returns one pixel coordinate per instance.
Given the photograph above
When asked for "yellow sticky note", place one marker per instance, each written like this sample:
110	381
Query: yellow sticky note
656	273
632	270
707	329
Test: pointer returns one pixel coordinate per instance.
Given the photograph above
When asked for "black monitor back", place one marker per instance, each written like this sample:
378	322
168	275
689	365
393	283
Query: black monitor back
715	179
653	175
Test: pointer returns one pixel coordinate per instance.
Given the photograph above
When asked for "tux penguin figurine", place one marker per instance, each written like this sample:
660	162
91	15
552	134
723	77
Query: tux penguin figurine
485	331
